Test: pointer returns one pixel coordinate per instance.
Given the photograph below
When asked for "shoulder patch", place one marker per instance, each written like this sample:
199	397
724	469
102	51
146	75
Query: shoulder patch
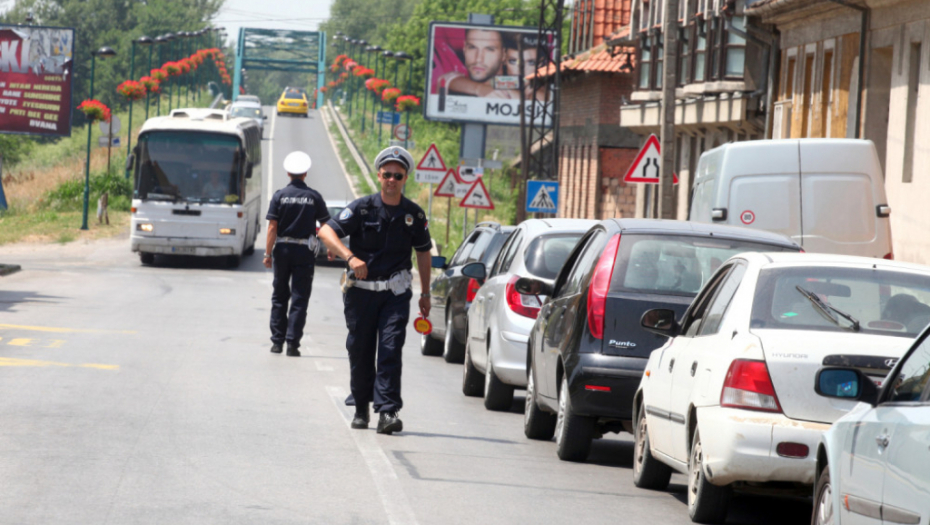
409	220
345	214
421	216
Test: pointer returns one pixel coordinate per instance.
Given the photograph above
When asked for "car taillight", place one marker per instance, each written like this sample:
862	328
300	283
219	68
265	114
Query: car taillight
600	283
748	385
889	256
471	290
525	305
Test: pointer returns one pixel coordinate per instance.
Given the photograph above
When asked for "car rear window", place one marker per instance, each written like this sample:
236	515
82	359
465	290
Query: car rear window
883	302
674	264
546	254
293	95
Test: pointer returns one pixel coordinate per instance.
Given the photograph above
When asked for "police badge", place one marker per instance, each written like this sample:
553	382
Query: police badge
409	220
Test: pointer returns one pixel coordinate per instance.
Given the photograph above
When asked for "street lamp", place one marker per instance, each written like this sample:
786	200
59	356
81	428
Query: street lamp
103	52
369	50
400	55
161	57
170	38
360	52
142	41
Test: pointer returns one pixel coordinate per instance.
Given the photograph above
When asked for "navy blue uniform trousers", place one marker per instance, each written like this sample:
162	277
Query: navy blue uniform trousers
377	323
293	281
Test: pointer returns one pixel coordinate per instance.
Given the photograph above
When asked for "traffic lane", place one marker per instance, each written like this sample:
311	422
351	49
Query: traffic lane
294	133
198	423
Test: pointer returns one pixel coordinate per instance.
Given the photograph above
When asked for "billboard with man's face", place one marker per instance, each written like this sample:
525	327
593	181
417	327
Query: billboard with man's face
36	68
473	74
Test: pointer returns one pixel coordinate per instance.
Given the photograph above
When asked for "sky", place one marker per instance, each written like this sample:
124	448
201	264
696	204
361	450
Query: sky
271	14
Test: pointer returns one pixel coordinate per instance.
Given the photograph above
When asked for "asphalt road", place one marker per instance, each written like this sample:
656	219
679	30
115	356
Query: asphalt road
134	394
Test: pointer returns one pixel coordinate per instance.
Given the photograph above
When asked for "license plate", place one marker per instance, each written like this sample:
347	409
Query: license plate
183	250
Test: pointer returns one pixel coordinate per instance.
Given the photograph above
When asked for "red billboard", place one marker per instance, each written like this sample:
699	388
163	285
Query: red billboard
36	67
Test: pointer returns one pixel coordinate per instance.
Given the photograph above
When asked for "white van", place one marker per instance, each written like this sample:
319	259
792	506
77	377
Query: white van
828	195
198	186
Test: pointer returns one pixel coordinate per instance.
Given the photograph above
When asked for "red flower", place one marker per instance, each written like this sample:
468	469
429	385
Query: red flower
95	110
151	85
172	68
407	102
131	89
159	74
390	94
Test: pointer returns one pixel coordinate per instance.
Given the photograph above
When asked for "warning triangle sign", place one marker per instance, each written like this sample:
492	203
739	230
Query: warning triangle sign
432	161
477	197
542	199
447	186
645	169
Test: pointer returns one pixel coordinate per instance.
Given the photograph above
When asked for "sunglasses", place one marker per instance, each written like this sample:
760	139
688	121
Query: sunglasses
396	176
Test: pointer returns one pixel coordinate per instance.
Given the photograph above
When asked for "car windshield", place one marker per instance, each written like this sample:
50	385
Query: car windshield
293	95
245	111
674	264
188	166
881	301
546	254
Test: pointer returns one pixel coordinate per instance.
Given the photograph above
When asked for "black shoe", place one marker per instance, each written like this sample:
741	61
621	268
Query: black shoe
292	350
276	348
389	423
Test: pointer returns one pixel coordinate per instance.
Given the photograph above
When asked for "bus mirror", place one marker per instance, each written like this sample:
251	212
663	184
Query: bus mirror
130	161
248	171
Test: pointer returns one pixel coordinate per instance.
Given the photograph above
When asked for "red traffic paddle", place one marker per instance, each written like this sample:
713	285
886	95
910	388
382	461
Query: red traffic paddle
422	325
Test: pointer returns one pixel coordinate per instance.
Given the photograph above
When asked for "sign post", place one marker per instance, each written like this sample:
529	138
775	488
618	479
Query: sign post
447	189
430	168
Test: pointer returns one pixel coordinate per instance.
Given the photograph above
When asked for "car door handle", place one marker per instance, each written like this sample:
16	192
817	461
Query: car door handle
882	441
490	296
693	368
671	365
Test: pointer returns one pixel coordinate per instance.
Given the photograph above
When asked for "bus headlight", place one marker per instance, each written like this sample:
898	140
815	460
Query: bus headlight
227	231
145	227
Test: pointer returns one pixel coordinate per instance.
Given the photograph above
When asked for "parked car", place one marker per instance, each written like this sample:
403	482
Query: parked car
587	350
728	401
248	109
334	208
293	102
500	319
872	464
826	194
451	293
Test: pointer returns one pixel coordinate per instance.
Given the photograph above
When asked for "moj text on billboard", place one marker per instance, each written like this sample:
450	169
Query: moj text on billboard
474	73
36	67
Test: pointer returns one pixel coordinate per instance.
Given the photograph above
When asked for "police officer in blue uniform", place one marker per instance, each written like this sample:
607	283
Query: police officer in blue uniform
291	248
382	228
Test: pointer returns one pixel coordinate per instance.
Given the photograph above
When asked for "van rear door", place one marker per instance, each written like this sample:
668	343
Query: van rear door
765	188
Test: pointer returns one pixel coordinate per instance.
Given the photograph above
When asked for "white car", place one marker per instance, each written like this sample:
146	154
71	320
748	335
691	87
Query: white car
500	318
248	109
873	466
334	207
729	399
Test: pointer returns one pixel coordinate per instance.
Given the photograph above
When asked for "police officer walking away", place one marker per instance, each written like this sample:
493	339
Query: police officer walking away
291	248
382	229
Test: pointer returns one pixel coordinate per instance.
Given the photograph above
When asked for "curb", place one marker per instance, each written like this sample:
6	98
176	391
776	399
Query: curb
359	160
7	269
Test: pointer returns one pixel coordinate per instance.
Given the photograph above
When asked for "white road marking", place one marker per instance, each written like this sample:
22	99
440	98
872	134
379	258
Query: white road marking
323	368
392	496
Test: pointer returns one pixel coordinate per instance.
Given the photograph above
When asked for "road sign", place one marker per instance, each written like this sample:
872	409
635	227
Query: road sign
103	142
388	117
645	169
477	197
431	167
410	144
542	196
469	174
112	127
402	131
447	185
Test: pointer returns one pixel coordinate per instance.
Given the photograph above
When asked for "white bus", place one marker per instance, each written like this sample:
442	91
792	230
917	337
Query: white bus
198	186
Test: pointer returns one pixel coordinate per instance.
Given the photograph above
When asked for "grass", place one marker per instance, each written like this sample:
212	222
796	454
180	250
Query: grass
45	191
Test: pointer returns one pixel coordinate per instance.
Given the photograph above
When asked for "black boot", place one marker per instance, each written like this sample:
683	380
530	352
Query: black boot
390	423
292	350
276	348
360	421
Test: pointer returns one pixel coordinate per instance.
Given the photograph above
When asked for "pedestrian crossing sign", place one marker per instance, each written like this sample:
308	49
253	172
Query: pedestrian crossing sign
542	196
477	197
432	160
448	184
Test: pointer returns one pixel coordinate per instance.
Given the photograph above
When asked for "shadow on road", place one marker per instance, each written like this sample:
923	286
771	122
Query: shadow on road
10	299
249	263
750	509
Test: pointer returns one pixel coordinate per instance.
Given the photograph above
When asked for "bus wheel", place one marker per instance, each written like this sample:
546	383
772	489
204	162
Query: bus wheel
232	261
147	258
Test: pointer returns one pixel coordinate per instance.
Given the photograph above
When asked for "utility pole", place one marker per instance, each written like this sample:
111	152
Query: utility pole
669	84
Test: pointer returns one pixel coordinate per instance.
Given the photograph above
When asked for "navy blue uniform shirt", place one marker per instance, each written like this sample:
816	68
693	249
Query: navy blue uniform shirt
297	207
383	235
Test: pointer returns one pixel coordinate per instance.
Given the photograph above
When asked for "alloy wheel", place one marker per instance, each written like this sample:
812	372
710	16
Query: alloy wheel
825	506
640	446
530	398
560	419
696	471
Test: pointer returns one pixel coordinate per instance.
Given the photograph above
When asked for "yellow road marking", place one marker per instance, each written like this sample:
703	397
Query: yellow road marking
63	330
56	343
19	342
10	361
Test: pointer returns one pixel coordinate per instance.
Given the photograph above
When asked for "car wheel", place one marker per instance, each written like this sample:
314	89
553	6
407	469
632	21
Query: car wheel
430	346
573	433
147	258
453	351
537	424
707	503
498	396
648	472
233	261
472	379
823	503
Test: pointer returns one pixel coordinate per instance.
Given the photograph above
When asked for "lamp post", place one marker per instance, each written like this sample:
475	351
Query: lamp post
386	55
352	81
143	41
369	50
360	87
103	52
161	59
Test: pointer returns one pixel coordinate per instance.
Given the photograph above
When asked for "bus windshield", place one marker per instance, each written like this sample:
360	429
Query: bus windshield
189	166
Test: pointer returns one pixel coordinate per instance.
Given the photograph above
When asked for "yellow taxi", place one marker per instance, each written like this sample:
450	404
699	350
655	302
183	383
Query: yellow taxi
293	101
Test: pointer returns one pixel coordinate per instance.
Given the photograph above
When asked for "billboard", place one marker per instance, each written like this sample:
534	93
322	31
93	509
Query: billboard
473	74
36	67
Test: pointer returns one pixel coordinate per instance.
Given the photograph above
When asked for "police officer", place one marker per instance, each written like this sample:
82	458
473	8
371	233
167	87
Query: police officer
291	248
382	229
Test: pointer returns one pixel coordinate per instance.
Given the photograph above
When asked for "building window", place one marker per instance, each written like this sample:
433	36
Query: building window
735	50
826	93
645	64
684	56
716	36
700	54
658	50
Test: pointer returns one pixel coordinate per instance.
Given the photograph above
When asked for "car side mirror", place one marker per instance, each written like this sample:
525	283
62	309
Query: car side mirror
661	321
438	262
130	161
530	286
846	383
476	271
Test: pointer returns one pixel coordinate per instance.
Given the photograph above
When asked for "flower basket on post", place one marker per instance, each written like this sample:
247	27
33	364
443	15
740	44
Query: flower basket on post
173	69
390	95
377	85
132	90
152	86
95	111
159	74
407	103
